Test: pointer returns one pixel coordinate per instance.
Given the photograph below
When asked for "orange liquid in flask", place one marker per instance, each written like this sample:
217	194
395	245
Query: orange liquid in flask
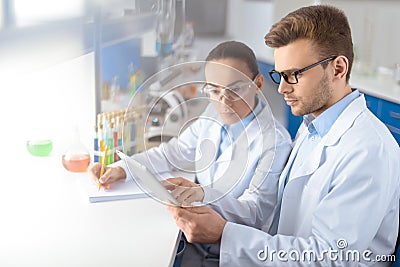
76	163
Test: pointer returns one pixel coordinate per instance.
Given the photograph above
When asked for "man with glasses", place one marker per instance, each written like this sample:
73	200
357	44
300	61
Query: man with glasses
338	197
291	78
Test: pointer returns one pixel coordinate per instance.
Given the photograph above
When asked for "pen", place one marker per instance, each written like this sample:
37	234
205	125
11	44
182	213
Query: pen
103	163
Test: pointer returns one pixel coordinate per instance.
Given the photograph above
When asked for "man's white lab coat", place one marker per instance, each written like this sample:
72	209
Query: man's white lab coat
344	197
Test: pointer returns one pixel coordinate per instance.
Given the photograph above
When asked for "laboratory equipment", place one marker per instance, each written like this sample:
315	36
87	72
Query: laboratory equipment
170	104
76	162
118	130
167	115
39	148
76	158
165	27
188	34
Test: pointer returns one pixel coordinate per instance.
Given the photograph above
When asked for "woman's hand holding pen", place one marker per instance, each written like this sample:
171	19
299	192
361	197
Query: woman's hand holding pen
111	175
185	191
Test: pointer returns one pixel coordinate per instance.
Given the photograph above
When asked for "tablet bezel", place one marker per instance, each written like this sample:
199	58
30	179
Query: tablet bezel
147	181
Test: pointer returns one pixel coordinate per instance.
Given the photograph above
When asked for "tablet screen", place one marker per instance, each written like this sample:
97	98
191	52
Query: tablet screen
147	181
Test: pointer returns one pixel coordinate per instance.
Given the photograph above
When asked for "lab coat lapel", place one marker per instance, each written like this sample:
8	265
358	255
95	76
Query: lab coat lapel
289	163
311	163
294	187
255	127
303	185
347	118
207	153
242	148
246	137
338	129
213	131
222	163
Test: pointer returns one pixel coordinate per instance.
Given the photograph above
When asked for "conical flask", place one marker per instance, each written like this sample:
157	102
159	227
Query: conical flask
165	27
76	158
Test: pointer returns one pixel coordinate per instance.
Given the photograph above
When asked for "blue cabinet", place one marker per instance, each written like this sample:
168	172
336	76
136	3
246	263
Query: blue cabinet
264	68
116	60
293	123
373	104
397	262
390	115
387	112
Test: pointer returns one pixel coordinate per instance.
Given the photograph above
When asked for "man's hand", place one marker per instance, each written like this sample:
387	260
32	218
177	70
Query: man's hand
200	224
110	175
185	191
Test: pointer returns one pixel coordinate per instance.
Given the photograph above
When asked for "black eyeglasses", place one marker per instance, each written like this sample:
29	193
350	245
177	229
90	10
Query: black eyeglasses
291	78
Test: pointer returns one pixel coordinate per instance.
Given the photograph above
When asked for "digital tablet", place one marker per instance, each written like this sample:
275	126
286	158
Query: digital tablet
147	180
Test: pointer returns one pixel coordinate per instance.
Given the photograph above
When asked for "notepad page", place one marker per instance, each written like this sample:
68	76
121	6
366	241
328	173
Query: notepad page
120	190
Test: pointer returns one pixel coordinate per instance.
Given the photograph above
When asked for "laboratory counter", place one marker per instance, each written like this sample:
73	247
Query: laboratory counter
47	220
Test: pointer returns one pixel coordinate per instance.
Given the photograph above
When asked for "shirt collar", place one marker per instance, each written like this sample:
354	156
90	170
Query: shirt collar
323	123
236	129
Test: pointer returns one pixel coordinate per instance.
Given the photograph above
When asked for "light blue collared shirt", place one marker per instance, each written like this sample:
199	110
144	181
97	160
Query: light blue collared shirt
236	129
318	128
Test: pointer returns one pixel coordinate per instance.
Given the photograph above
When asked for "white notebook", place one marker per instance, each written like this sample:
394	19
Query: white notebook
119	191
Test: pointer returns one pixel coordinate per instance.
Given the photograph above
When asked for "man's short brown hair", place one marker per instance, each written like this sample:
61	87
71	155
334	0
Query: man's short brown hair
325	26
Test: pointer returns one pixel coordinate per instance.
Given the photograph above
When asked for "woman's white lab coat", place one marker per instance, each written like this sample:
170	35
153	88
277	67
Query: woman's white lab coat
345	194
248	170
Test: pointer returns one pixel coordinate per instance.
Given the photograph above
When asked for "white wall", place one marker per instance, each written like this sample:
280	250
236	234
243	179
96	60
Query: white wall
249	21
375	29
283	7
48	103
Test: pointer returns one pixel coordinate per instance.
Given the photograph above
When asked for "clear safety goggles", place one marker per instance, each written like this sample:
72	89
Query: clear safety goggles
231	93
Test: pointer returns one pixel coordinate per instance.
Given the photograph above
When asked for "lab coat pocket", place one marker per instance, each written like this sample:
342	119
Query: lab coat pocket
313	191
309	202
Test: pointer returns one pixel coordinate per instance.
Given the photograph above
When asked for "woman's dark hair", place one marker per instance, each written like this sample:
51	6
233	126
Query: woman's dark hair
237	50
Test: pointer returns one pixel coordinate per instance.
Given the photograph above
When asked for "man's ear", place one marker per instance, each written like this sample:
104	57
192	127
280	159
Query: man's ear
341	67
